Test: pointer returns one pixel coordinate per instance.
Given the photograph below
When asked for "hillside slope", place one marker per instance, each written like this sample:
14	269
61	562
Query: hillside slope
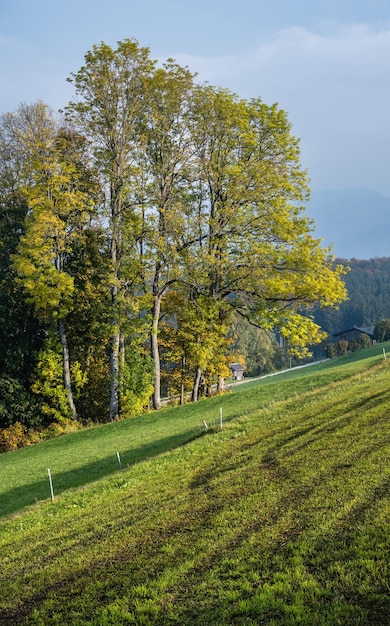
281	518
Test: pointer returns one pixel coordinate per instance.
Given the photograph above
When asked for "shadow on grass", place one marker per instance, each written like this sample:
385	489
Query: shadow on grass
16	499
334	561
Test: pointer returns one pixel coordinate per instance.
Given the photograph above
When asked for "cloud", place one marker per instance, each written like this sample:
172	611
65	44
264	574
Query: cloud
334	85
331	79
295	55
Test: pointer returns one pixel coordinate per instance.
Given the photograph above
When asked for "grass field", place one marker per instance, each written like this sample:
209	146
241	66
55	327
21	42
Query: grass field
283	517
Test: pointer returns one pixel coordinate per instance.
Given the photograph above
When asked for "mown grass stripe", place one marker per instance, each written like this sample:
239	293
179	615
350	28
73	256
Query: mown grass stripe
281	518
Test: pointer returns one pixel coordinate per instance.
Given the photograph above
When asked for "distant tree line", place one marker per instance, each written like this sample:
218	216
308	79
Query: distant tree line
136	228
342	346
368	287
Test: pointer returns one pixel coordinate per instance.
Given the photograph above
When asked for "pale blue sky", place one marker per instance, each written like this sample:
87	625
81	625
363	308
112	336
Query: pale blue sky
326	62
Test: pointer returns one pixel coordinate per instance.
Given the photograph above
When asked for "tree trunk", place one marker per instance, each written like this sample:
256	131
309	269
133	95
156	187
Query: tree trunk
195	389
182	387
221	384
114	376
156	398
115	337
122	364
66	368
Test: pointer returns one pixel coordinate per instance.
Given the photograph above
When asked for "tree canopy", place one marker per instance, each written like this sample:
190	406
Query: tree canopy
152	215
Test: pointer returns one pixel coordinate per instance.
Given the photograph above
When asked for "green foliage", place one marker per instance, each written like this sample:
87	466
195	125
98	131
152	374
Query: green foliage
93	400
17	404
20	330
259	256
153	186
341	347
260	351
12	437
109	108
330	350
195	336
361	342
382	330
56	207
59	203
48	382
136	380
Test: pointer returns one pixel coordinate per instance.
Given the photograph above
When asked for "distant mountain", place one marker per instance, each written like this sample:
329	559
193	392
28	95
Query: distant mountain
355	221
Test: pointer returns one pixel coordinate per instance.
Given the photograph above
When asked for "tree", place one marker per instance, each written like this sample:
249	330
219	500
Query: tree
168	172
21	333
258	348
145	223
361	342
382	330
342	347
57	207
108	110
330	350
203	189
195	344
256	252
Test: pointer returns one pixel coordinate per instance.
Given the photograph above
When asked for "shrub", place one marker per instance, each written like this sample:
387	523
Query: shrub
382	330
330	350
17	436
361	342
13	437
341	347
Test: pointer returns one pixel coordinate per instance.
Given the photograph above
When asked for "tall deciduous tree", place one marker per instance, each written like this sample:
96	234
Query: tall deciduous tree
259	255
202	188
57	205
168	165
109	109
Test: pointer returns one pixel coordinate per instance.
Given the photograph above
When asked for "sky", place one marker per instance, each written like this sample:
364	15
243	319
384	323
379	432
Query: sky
325	62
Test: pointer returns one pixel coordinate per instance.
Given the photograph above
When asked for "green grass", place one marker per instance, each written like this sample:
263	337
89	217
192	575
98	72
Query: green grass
80	458
281	518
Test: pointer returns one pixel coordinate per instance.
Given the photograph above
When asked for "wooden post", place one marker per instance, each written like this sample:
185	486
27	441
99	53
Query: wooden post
220	418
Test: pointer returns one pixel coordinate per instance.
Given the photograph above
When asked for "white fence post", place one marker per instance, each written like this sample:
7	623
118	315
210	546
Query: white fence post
51	485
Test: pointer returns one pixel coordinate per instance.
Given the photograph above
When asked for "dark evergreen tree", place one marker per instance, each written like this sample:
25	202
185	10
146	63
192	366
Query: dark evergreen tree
21	334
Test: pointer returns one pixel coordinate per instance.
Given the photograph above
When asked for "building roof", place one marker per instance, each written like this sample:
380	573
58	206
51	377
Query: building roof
236	366
366	330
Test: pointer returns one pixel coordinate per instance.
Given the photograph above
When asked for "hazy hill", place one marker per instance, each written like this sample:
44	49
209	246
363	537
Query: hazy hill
355	221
